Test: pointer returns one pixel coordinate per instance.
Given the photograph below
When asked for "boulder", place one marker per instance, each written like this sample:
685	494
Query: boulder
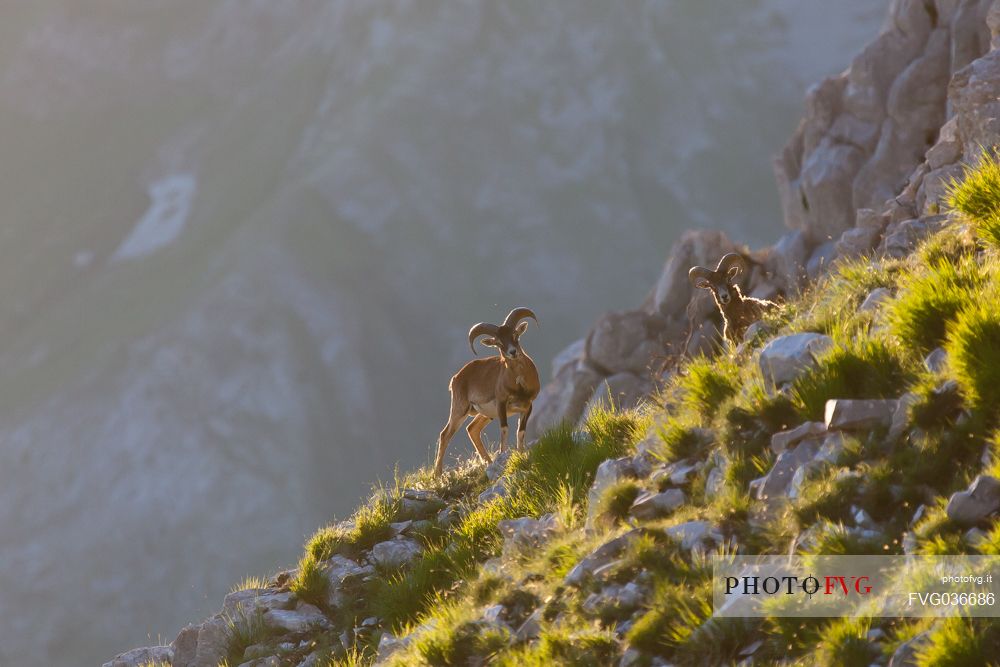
622	390
673	292
705	339
933	194
906	654
389	644
644	462
530	629
875	299
677	473
776	483
831	449
785	439
526	531
788	259
600	557
901	238
857	242
342	572
651	505
979	501
948	148
144	657
847	415
418	504
570	355
615	600
249	600
786	357
563	400
185	646
694	534
213	643
974	94
395	553
819	260
901	416
296	621
936	361
608	474
626	341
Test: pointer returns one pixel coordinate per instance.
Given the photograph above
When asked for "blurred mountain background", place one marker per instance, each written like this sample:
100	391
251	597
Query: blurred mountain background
241	243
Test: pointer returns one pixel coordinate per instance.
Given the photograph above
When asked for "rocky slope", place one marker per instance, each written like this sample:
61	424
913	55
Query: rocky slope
861	418
221	220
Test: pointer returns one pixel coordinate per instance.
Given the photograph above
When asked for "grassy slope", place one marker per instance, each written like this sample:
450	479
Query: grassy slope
946	294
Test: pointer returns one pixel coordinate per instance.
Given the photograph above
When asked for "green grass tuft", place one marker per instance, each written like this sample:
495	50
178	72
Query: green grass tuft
617	499
977	196
862	369
311	583
931	299
974	354
705	384
845	644
960	642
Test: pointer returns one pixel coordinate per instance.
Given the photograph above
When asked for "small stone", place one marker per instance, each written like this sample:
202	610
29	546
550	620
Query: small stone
608	474
141	657
527	532
751	648
975	504
498	490
448	517
530	629
875	299
936	361
784	358
974	537
643	464
784	439
901	415
599	557
832	448
651	505
677	473
778	480
692	534
495	469
906	654
395	553
185	646
493	613
863	518
300	620
845	414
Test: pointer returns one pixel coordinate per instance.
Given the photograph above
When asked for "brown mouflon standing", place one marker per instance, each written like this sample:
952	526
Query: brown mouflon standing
492	388
738	311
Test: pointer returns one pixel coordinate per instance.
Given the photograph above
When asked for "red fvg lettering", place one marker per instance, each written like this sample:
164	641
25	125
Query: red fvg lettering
859	584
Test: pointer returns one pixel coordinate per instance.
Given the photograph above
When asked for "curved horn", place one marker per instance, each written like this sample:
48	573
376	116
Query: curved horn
481	329
697	273
729	261
517	315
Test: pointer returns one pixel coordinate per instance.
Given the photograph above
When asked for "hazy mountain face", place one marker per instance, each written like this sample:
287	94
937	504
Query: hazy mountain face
241	244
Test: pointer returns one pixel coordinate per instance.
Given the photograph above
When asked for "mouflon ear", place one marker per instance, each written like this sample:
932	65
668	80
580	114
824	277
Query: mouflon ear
521	328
